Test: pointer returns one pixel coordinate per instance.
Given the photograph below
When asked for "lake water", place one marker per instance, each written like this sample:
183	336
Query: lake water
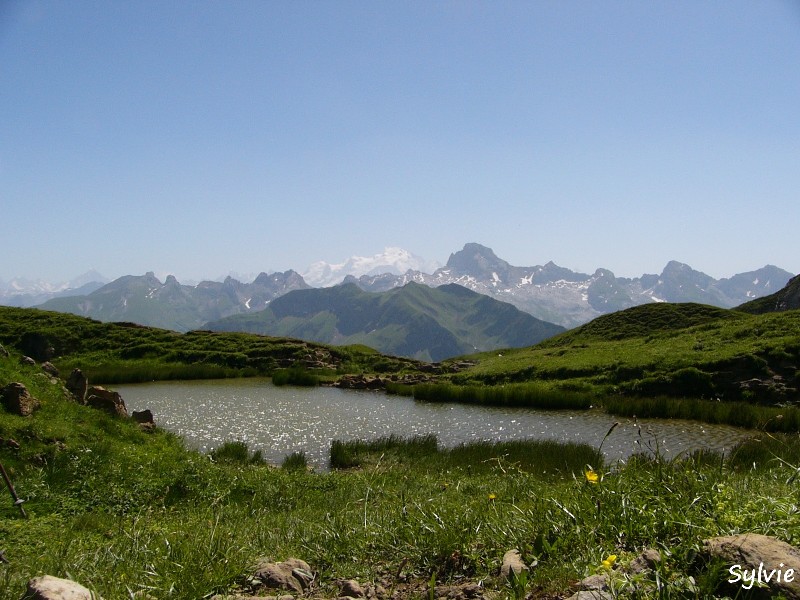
281	420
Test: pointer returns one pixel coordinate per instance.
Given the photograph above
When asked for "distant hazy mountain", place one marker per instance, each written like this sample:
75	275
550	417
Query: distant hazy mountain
395	261
24	292
414	320
562	296
147	301
786	299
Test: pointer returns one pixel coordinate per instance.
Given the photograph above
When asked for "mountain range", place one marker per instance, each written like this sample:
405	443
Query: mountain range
548	292
568	298
147	301
414	320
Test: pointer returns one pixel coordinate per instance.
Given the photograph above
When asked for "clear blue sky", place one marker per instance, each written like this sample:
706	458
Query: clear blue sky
200	138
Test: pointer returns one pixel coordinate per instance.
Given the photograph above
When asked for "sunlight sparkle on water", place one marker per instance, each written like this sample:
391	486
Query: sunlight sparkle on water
282	420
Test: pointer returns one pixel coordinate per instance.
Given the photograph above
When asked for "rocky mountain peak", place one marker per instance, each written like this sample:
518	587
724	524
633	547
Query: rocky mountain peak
477	261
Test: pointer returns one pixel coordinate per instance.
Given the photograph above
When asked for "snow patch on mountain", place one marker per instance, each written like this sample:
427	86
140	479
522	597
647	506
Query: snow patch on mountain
396	261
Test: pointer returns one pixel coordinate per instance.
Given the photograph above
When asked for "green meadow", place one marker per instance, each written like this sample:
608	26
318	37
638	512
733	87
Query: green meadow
126	512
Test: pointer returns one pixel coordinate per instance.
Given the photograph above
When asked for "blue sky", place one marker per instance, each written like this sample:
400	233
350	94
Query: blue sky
200	138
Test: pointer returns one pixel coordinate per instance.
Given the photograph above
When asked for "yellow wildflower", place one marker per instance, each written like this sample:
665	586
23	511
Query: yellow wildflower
492	496
608	563
592	476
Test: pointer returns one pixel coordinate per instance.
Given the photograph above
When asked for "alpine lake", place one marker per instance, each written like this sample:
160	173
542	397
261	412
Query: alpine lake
281	420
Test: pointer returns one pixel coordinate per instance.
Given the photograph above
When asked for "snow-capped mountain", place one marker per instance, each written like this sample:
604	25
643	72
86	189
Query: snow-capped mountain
567	298
395	261
27	292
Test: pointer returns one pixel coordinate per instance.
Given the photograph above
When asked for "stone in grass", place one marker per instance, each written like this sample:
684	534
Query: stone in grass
17	400
350	588
591	595
244	597
292	575
512	563
757	557
77	384
107	400
48	587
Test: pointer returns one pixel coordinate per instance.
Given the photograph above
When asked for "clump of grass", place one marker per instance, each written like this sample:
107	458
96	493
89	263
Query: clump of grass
542	457
295	376
399	389
145	371
738	414
532	395
236	452
296	461
355	453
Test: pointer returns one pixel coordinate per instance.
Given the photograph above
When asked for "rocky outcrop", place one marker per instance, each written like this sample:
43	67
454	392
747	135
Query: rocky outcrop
107	400
17	400
758	561
377	382
48	587
361	382
77	385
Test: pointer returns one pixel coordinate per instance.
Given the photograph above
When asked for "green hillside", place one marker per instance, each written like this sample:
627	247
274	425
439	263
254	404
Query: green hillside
414	320
116	352
661	349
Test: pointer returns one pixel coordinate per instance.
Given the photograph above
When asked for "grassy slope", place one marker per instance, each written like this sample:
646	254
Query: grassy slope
116	352
786	299
617	351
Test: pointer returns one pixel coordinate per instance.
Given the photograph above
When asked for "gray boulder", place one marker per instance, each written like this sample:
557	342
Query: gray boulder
48	587
292	575
751	559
